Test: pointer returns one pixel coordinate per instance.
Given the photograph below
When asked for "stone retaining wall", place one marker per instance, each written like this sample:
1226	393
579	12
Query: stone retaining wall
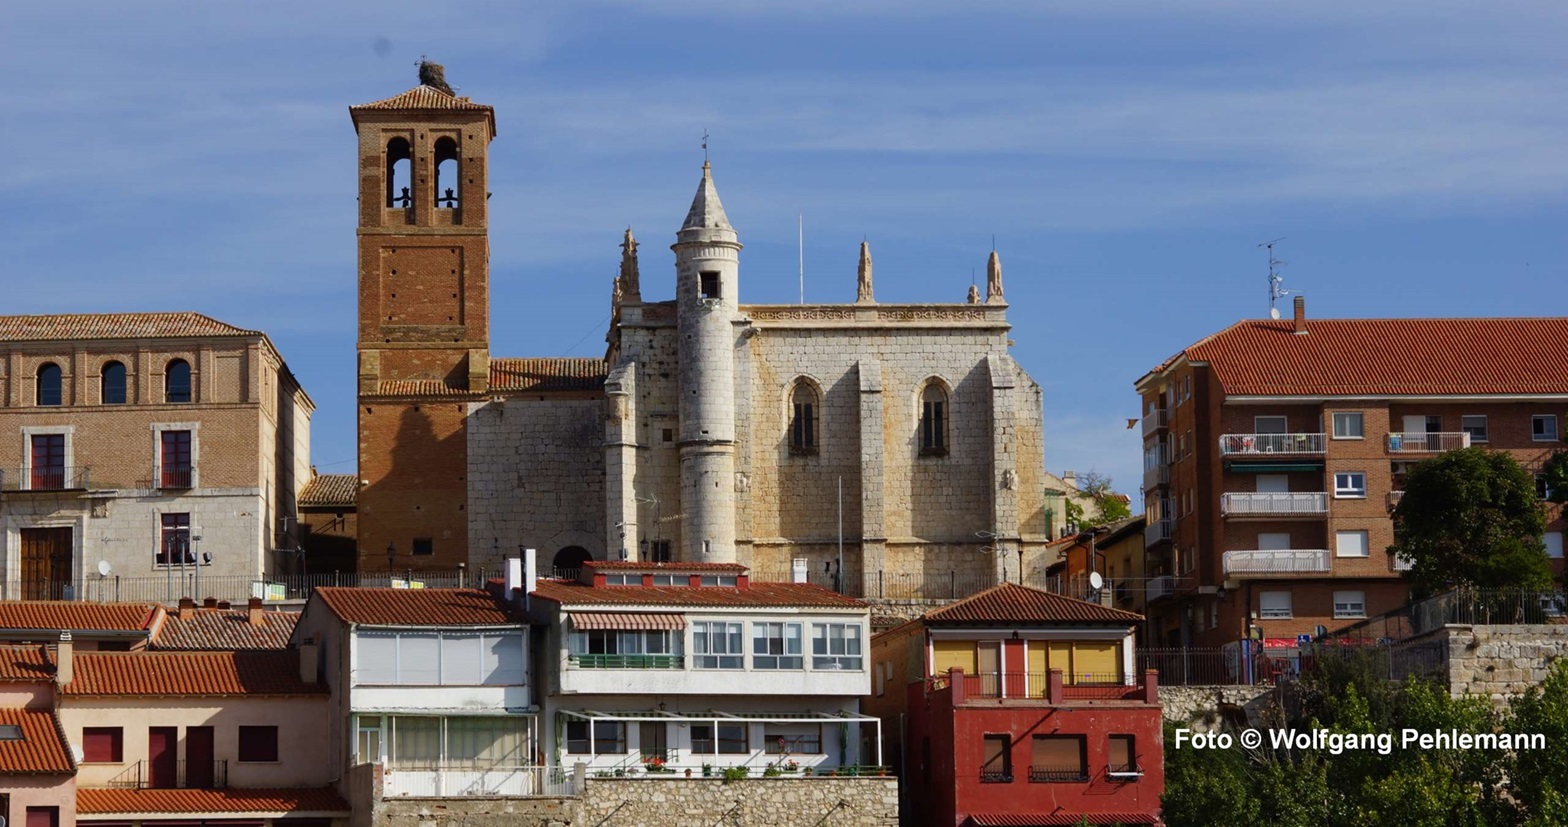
1201	706
1500	661
782	802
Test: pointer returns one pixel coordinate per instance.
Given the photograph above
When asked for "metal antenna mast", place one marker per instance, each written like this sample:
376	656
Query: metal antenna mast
1277	290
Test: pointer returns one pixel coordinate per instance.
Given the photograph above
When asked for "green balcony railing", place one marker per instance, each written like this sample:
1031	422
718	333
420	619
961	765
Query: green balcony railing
626	661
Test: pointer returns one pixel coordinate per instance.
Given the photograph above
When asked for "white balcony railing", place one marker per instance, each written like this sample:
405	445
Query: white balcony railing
1394	497
1302	504
1154	420
1270	444
1282	561
1411	442
1163	586
1157	475
1156	531
469	780
1397	563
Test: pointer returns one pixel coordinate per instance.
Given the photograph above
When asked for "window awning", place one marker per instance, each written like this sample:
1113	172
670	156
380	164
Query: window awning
627	621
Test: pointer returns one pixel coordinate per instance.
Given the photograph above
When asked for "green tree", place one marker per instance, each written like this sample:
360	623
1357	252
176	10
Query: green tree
1471	517
1556	472
1111	507
1540	777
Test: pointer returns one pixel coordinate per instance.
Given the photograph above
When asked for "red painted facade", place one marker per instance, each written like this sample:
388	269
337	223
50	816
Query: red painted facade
948	780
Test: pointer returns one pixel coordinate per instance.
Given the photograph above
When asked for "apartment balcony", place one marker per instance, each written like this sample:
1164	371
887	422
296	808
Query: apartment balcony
1393	499
1160	588
1271	445
45	478
1157	531
1281	561
1243	505
1156	420
1397	563
176	477
165	775
1156	476
1410	442
584	661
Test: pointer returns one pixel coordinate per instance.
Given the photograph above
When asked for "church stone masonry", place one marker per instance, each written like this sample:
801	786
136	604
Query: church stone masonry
712	430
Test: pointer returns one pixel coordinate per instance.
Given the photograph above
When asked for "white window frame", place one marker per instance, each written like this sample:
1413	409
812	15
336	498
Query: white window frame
1339	545
1347	417
622	579
791	648
1554	550
729	580
1466	428
1257	426
730	634
850	636
674	580
1542	489
1538	435
1276	612
1350	492
1350	604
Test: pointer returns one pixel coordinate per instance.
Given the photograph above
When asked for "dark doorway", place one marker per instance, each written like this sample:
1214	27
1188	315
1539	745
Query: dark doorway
46	563
163	763
43	817
199	767
568	561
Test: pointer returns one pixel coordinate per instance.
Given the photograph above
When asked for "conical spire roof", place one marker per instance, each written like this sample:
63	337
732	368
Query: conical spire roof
706	221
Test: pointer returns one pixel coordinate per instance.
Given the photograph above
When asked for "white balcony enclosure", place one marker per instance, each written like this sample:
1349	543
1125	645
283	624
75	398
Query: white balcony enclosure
1243	445
1156	531
1295	504
1282	561
1410	442
1154	420
1162	586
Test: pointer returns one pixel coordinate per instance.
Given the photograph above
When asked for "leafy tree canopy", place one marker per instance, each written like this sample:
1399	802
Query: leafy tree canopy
1108	503
1471	517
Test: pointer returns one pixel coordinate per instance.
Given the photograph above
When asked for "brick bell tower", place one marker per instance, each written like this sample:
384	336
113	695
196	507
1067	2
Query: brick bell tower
424	342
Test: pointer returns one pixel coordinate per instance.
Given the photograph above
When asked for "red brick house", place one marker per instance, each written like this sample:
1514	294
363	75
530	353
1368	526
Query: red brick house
1019	707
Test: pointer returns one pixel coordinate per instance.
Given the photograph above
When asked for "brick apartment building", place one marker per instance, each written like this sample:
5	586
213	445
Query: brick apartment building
147	441
1275	449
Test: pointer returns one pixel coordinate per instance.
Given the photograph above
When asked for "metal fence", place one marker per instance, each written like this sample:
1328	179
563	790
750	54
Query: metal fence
1467	606
176	582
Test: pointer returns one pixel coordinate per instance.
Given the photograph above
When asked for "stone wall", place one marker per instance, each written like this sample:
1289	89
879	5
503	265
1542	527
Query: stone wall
1202	706
1499	661
483	812
783	802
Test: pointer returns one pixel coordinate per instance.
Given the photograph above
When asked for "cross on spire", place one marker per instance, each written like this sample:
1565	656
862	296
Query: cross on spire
705	146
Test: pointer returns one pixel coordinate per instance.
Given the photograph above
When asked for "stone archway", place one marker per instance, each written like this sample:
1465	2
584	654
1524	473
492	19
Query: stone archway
568	561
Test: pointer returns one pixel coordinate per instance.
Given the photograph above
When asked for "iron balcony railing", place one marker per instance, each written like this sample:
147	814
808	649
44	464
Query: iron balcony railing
185	775
1413	442
1246	504
626	661
1271	444
1155	420
1282	561
45	478
178	477
1058	773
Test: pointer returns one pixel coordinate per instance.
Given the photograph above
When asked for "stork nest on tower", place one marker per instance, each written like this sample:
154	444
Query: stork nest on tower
434	75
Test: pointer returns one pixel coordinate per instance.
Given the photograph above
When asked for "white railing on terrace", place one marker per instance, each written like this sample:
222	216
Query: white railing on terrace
468	780
1154	420
1162	586
1411	442
1263	444
1397	563
1394	497
1274	504
1156	531
1282	561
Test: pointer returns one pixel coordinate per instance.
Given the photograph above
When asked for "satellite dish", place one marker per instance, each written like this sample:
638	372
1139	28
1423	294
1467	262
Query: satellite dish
1096	582
103	568
1273	312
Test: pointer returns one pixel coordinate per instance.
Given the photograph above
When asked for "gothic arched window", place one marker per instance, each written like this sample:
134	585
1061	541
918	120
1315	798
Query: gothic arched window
805	407
111	384
177	381
400	173
447	185
933	418
49	385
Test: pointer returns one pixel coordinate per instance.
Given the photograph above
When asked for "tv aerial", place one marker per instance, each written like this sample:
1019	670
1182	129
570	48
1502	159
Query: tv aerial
1277	290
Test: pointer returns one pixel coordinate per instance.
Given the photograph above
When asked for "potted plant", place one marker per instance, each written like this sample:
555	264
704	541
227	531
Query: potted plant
707	770
688	772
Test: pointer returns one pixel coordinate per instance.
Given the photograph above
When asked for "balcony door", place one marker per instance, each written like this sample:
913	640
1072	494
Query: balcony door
1273	484
46	563
653	740
163	763
1271	541
48	463
988	660
199	758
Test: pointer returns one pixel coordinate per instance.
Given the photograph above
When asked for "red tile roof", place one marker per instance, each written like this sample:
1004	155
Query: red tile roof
77	617
1389	357
547	374
42	748
330	489
420	387
115	326
127	801
571	593
416	607
1010	603
224	629
425	98
631	565
25	663
188	674
1060	818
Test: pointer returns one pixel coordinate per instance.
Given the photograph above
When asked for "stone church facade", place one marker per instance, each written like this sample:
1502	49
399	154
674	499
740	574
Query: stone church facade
712	430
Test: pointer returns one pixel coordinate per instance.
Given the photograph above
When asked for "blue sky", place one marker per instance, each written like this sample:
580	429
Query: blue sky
1127	156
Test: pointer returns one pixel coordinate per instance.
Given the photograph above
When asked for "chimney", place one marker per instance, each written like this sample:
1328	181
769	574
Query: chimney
309	665
1301	315
530	571
187	608
209	603
1071	478
253	611
62	660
